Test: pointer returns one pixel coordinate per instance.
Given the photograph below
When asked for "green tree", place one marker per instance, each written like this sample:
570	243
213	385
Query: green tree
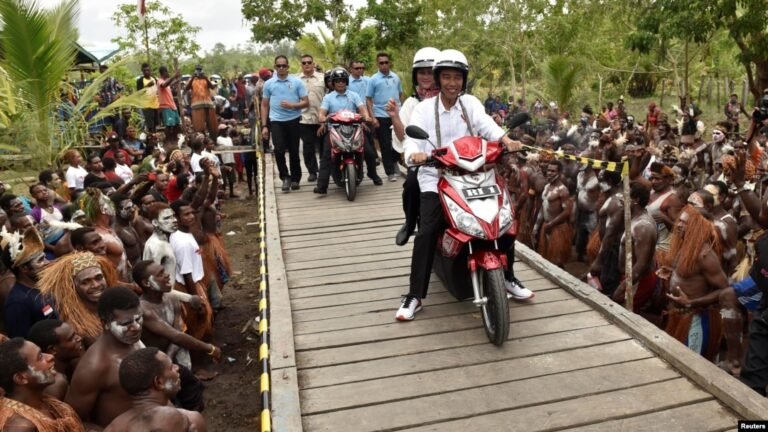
168	35
276	20
697	21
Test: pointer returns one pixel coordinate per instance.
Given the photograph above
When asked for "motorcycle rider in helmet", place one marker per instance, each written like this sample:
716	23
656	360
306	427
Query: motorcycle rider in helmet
424	87
447	117
337	100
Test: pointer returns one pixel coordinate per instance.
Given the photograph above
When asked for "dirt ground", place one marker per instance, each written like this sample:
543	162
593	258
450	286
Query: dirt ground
232	399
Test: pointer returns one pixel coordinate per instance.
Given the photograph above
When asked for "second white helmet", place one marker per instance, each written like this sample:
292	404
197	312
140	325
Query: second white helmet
425	57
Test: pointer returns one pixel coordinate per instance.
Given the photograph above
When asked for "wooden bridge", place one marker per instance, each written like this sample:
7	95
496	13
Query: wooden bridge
573	361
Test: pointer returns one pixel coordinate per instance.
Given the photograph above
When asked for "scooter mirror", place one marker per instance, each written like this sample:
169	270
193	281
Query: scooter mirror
416	132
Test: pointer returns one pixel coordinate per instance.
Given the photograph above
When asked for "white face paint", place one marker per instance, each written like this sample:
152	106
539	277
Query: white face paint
171	387
106	206
42	377
126	331
717	136
126	209
157	285
166	221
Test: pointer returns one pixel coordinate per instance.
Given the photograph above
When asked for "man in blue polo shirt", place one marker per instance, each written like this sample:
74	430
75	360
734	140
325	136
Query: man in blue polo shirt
358	83
335	101
382	87
283	99
25	305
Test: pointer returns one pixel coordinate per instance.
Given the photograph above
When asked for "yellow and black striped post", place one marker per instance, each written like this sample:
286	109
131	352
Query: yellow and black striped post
266	416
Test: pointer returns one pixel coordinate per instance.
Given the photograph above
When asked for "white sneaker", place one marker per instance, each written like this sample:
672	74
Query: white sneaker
516	289
408	308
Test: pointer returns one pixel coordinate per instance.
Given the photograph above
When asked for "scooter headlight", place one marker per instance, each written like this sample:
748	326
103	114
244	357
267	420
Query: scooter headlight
465	222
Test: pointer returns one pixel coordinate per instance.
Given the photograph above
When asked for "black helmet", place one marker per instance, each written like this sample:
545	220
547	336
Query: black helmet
327	79
339	74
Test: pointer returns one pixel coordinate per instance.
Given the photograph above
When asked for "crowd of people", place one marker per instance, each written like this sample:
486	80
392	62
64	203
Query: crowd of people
112	269
698	212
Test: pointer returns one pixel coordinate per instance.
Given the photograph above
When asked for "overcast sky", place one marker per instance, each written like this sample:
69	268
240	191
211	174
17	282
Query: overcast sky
219	20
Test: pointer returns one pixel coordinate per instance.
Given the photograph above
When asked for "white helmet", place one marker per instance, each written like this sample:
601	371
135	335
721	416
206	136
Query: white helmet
424	58
451	59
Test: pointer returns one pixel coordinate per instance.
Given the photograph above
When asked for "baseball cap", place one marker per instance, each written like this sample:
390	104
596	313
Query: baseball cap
265	73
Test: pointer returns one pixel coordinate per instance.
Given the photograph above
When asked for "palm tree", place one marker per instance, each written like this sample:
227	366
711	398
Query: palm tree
561	75
38	49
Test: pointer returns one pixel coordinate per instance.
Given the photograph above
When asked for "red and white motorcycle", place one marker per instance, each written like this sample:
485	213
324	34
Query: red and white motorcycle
345	134
471	254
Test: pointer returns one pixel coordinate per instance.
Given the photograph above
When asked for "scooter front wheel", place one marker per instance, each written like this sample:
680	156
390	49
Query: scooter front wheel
496	309
350	182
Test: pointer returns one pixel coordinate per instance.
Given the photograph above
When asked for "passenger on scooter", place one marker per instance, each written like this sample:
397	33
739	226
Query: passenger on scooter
335	101
445	118
424	87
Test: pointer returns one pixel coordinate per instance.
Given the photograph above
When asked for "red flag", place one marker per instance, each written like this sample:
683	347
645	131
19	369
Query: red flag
142	9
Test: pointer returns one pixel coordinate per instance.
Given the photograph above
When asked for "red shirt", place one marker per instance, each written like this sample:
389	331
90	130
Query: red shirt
111	176
172	192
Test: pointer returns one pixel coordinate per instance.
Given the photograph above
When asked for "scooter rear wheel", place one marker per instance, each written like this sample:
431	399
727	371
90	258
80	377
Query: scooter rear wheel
496	310
350	181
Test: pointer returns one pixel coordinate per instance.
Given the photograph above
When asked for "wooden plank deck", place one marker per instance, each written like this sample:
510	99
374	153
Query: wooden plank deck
573	361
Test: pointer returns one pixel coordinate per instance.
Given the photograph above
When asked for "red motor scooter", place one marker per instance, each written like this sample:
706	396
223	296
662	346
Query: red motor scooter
471	254
346	137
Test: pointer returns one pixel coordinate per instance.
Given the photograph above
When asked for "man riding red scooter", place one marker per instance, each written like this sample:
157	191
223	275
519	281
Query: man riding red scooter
445	118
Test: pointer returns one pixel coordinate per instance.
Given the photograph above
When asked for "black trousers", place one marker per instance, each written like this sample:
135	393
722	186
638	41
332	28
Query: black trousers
324	171
229	177
411	198
250	161
389	156
431	225
285	137
311	144
754	369
370	156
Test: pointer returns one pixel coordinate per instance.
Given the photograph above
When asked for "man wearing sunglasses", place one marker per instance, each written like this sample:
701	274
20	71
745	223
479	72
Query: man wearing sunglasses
315	85
384	86
284	98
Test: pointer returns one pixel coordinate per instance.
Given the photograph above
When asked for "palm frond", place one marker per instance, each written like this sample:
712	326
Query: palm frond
38	48
561	77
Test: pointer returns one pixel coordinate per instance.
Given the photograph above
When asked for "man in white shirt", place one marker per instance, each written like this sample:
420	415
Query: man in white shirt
75	175
189	269
227	159
197	149
454	115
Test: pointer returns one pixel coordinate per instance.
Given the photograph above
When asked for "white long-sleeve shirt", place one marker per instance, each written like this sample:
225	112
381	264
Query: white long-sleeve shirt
405	116
452	126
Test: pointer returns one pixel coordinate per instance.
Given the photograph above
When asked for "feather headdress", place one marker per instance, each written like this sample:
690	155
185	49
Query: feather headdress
21	247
